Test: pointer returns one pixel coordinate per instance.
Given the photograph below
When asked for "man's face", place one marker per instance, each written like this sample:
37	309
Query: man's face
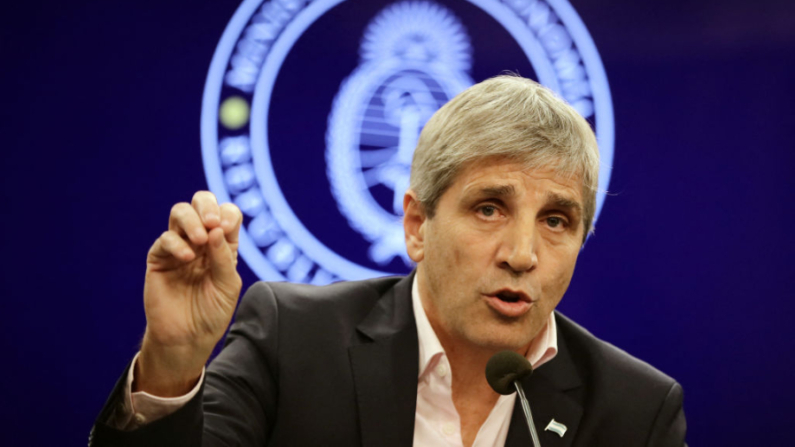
499	253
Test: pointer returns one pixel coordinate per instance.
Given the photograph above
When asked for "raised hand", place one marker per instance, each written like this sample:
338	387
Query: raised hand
191	290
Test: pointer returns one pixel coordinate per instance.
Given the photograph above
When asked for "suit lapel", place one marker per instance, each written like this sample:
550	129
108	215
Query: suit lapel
551	391
384	360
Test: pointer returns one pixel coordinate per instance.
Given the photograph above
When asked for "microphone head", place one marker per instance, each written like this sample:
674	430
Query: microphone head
503	368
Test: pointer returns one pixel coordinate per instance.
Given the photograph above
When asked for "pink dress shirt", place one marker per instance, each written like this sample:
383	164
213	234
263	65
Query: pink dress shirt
436	421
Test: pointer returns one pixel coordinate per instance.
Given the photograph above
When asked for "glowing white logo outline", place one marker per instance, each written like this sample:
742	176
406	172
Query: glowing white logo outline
509	14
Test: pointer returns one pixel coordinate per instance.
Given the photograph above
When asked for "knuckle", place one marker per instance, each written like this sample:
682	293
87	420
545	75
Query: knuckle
232	209
179	209
201	197
186	216
166	239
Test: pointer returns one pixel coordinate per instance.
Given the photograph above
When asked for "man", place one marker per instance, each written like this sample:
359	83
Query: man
502	197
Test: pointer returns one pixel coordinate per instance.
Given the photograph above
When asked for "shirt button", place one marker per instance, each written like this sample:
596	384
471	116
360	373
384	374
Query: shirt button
448	428
140	419
441	370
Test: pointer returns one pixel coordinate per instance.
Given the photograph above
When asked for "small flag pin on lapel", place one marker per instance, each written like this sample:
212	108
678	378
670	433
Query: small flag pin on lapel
556	427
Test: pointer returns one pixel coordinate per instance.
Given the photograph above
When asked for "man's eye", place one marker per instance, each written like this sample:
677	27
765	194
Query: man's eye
488	210
555	222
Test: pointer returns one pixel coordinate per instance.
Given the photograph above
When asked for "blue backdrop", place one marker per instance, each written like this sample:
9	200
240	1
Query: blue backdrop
691	268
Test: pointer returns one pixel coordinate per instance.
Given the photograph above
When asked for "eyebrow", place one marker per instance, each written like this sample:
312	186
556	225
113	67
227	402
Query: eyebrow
563	202
497	190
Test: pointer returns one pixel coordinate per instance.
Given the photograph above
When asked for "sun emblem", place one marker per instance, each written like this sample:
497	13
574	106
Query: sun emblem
415	56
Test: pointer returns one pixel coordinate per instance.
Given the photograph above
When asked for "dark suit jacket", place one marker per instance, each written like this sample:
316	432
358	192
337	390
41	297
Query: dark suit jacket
338	366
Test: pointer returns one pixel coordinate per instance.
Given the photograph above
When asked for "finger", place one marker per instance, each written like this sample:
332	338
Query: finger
231	218
184	220
207	206
171	245
222	262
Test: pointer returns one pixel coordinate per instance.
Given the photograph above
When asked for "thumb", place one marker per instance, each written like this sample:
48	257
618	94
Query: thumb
222	260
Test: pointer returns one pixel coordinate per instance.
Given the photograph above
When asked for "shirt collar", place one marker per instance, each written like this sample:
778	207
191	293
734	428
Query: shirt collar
543	348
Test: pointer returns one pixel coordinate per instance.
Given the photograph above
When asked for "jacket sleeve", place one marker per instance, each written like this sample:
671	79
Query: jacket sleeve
180	429
669	427
237	402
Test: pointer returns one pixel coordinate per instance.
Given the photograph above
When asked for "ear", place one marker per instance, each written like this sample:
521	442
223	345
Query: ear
414	226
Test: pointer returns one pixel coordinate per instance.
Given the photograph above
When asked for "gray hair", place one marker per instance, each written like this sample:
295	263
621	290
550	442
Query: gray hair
505	116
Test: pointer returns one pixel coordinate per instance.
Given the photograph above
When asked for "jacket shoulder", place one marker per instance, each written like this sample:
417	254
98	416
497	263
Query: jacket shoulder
305	297
617	385
308	311
628	401
599	359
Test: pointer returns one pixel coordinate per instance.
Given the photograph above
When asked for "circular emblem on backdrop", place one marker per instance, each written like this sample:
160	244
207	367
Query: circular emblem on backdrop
414	56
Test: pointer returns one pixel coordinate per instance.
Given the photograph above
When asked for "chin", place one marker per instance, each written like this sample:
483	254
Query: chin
501	340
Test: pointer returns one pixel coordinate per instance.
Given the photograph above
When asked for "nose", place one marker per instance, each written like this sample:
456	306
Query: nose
519	249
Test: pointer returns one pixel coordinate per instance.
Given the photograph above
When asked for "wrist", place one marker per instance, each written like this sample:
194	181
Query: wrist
168	371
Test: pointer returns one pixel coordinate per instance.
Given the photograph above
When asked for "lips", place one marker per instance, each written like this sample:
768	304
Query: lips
510	303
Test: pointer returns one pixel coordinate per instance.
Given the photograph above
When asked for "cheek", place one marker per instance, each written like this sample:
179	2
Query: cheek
458	256
560	277
448	246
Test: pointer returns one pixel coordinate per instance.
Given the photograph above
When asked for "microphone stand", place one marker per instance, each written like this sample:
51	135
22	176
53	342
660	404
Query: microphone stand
526	407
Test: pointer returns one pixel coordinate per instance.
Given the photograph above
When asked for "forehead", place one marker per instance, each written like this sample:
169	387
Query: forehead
504	177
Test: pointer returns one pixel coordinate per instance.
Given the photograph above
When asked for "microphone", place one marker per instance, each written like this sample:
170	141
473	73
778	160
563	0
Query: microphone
504	372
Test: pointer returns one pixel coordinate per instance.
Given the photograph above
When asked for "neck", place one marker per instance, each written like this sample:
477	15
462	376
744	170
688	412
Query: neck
472	395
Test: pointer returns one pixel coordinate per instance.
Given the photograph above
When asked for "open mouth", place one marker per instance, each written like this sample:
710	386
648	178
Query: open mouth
511	296
508	297
510	303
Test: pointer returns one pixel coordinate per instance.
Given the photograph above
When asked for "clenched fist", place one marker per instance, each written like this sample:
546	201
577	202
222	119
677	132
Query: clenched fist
191	290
